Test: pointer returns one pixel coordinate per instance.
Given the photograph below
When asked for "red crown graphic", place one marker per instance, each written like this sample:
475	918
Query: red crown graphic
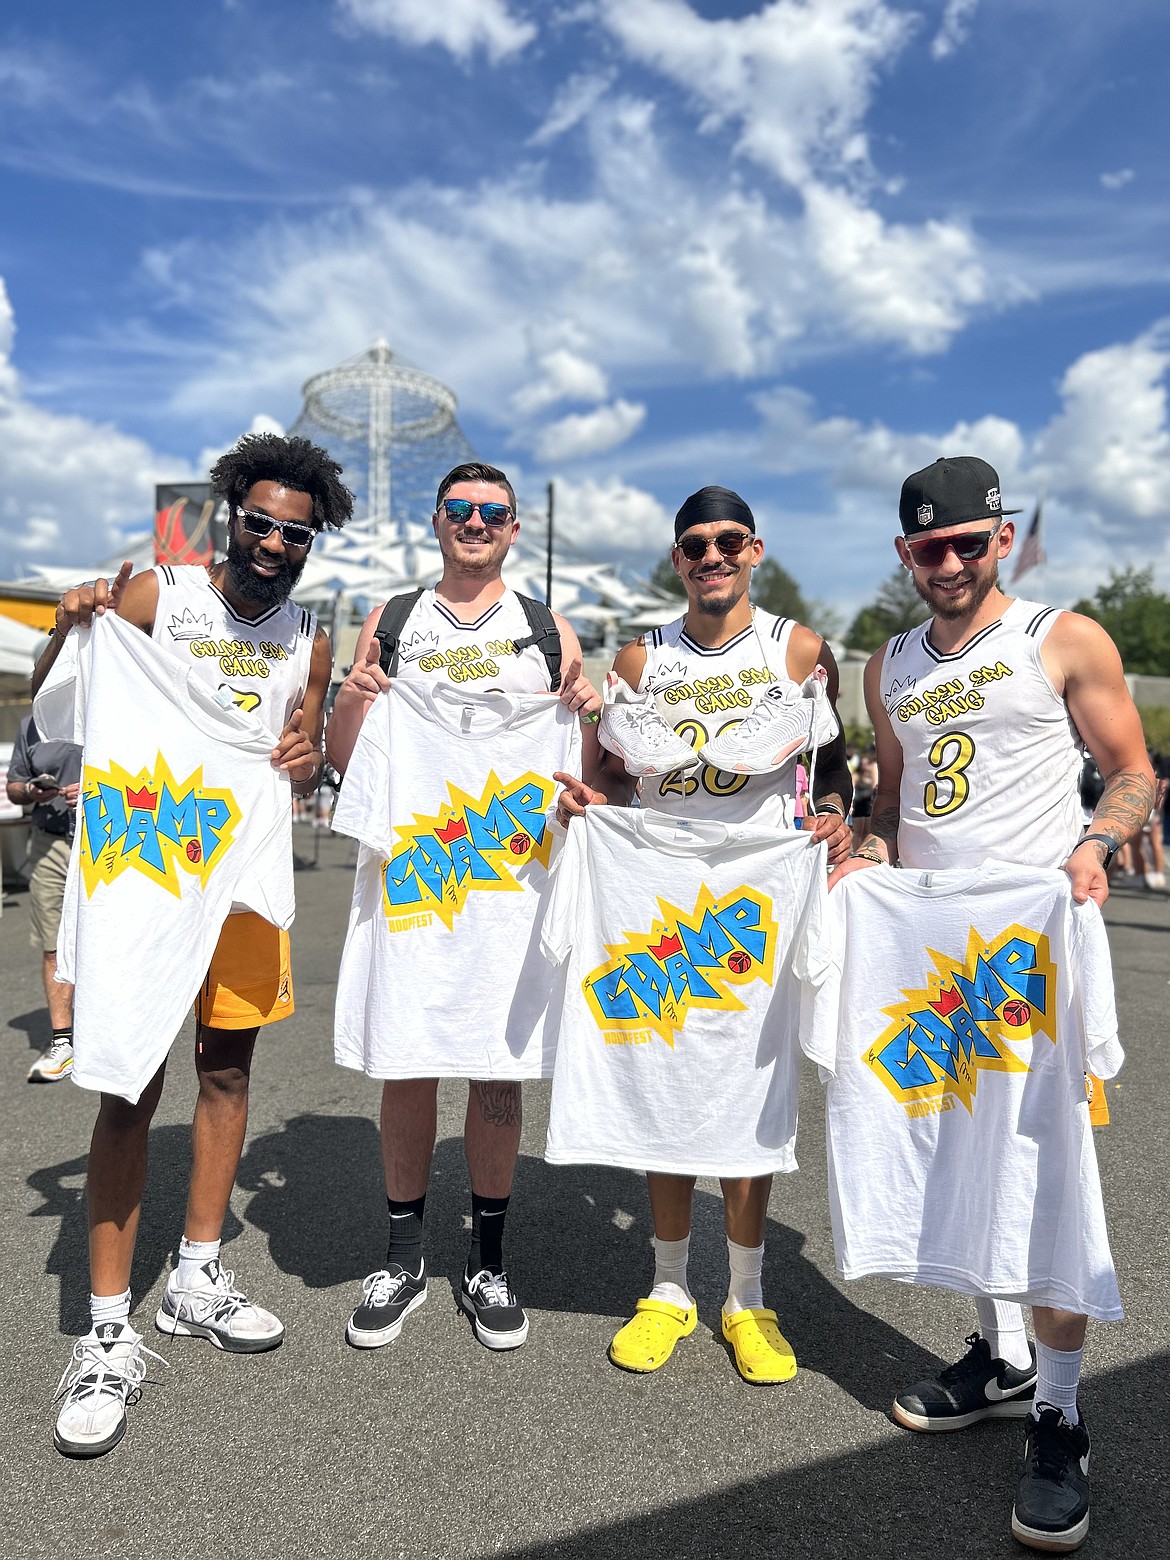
146	798
947	1002
455	830
667	946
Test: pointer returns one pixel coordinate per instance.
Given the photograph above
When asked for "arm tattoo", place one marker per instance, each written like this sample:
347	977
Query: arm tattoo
883	825
499	1103
1124	806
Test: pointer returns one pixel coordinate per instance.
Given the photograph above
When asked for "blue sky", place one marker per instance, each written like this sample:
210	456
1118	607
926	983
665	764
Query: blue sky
798	248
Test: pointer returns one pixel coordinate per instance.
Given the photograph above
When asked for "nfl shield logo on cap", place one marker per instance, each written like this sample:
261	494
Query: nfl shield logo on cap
925	514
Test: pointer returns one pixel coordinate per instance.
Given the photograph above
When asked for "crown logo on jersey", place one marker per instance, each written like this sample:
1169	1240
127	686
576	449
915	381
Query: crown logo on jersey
185	625
419	643
896	690
666	676
145	799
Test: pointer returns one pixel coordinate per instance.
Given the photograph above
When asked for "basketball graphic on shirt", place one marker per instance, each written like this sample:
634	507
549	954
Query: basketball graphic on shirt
739	962
519	843
194	850
1016	1013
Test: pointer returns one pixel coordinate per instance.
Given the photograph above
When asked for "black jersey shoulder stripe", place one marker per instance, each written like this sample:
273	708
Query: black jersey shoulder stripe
655	638
778	627
1034	626
168	572
955	655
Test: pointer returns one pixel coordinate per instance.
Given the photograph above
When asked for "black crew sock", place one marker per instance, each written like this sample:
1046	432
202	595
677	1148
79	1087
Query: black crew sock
487	1234
406	1234
63	1034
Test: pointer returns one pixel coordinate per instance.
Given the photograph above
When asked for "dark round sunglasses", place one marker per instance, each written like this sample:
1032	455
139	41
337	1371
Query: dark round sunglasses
729	543
292	532
930	553
458	510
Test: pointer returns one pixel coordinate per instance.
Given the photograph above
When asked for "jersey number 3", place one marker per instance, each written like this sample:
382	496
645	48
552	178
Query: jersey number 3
949	757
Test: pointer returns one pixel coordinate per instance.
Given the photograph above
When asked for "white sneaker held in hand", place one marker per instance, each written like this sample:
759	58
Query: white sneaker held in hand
632	727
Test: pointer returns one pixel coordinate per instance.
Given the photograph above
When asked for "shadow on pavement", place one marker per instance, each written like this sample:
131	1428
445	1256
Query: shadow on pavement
61	1188
34	1026
914	1495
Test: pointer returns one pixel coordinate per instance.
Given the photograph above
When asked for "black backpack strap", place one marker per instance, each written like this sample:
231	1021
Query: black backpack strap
390	626
545	635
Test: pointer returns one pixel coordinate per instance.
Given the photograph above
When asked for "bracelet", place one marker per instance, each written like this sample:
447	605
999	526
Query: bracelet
869	855
824	807
591	718
1111	847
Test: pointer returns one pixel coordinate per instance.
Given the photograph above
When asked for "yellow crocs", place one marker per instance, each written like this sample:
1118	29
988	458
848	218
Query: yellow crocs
763	1355
648	1339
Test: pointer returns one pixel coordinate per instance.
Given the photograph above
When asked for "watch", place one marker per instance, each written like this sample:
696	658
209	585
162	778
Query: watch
1111	847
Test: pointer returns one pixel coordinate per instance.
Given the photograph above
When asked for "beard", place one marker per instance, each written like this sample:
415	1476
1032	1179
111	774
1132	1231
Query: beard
262	592
979	589
719	605
472	560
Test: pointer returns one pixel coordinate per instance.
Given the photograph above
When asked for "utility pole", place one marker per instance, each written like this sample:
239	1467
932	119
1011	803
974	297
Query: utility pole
548	561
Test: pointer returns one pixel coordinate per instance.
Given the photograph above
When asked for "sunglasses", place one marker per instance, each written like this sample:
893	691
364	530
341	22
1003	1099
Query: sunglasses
929	554
729	543
292	532
459	510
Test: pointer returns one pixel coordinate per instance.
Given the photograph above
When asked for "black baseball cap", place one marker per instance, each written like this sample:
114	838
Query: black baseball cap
952	491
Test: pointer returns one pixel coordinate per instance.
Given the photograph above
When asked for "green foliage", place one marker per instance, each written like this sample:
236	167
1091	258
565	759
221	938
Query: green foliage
1156	725
774	589
1136	617
897	608
663	576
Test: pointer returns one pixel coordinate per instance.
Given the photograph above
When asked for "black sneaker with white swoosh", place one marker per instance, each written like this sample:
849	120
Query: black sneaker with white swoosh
1051	1510
973	1388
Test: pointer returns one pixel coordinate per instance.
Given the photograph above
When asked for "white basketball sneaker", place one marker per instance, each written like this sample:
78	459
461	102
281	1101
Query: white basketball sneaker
786	722
632	727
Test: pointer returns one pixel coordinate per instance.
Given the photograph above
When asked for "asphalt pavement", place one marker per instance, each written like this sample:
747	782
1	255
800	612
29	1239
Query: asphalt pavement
434	1446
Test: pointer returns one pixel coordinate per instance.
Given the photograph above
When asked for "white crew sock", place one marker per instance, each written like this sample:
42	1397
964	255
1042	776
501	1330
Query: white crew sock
109	1308
744	1292
670	1272
192	1256
1058	1374
1002	1323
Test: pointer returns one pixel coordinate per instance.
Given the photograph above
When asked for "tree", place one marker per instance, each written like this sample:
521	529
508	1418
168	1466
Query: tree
897	608
663	576
1136	617
773	588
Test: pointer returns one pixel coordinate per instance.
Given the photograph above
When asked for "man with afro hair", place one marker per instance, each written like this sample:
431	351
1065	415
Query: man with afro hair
280	494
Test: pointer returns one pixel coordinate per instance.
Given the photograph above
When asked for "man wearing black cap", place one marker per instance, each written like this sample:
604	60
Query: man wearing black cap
979	717
702	711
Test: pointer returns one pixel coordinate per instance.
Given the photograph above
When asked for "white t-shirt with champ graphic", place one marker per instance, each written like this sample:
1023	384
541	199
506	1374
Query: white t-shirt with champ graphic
447	790
954	1032
688	946
181	816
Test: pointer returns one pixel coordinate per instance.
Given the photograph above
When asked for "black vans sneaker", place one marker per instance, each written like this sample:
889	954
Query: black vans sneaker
973	1388
496	1315
1052	1498
388	1298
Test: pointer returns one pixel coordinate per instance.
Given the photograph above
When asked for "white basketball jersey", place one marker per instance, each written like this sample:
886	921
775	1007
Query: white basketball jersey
480	655
702	692
262	662
991	760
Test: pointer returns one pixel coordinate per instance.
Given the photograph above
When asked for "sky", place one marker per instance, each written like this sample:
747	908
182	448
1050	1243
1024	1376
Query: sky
798	248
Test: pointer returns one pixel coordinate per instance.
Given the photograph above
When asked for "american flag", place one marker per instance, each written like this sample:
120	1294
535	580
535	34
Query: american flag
1031	554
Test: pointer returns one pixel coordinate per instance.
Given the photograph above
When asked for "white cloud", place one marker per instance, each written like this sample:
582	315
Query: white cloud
70	489
589	433
1117	180
575	100
956	24
796	77
564	376
612	517
460	26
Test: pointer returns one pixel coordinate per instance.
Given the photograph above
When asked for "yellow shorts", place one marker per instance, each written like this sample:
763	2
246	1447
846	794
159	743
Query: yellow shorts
249	983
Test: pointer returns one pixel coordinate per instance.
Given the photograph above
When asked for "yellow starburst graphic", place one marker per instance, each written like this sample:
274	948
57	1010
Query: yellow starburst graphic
472	844
967	1019
694	959
151	823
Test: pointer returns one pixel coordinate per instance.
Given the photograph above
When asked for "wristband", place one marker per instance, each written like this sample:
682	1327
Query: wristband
591	718
1111	847
824	807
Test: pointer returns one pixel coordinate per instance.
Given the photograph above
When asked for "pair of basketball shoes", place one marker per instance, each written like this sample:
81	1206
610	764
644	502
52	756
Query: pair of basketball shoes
787	721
